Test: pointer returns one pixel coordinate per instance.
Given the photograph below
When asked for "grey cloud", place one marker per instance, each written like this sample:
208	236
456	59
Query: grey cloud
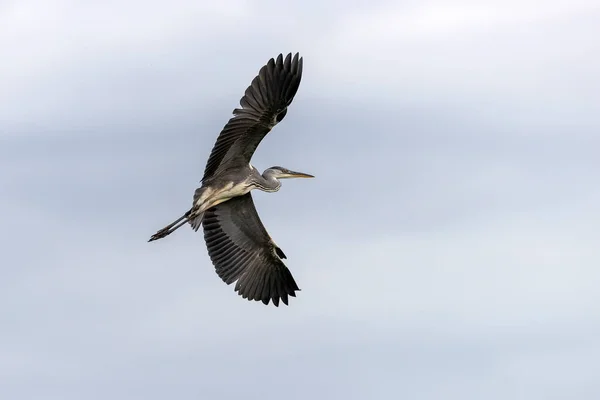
446	249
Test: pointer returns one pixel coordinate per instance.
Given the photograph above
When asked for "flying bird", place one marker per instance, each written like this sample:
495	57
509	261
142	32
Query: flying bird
238	244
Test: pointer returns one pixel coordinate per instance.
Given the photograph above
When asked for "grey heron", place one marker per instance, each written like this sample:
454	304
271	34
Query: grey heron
238	244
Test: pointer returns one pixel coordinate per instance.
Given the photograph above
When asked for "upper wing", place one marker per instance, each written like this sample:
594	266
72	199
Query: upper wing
241	249
263	106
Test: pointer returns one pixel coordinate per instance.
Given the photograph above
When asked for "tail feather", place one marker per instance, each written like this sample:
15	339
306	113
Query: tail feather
196	221
194	217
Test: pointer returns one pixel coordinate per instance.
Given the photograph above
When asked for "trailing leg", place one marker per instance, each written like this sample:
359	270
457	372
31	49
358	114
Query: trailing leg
172	227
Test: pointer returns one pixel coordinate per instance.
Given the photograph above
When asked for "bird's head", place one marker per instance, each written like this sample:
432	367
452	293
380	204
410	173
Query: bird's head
284	173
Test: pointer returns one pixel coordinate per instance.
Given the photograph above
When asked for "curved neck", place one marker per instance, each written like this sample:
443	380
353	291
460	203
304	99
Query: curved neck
268	183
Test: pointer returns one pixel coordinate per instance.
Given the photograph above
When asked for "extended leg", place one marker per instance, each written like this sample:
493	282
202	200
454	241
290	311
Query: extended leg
172	227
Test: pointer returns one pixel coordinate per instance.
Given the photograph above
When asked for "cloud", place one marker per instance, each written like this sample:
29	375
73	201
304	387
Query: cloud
446	249
502	54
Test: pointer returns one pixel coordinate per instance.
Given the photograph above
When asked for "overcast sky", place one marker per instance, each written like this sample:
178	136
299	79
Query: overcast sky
448	248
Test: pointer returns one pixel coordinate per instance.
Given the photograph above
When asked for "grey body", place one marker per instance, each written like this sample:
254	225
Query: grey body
238	244
232	184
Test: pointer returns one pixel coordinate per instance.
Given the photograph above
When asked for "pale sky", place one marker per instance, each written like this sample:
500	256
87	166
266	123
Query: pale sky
447	249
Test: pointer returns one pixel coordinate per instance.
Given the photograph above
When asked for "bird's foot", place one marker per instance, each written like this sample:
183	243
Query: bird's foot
160	234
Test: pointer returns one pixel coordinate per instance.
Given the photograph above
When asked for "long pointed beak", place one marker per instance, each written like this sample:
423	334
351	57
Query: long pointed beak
294	174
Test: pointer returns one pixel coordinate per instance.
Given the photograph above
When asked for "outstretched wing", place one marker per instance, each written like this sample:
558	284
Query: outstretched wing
264	105
242	250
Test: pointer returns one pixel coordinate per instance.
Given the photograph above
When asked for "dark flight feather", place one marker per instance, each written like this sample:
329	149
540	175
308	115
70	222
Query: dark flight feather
264	104
241	250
